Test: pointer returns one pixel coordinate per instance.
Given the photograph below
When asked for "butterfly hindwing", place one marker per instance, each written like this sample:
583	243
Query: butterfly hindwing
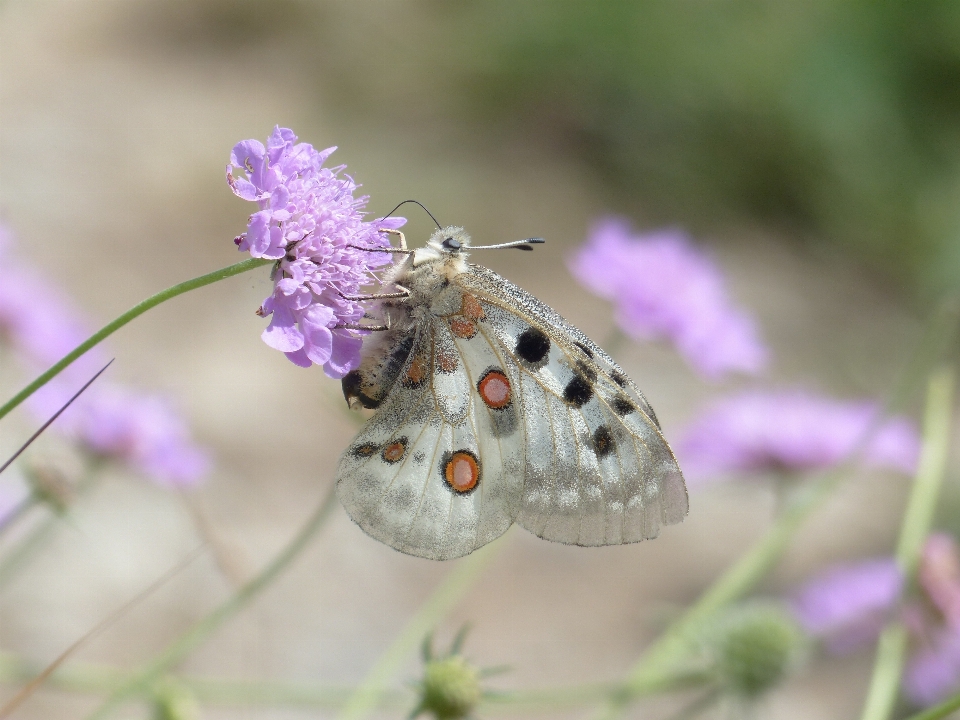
424	475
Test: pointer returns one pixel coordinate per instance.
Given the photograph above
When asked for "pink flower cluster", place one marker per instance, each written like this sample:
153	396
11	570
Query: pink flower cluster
310	222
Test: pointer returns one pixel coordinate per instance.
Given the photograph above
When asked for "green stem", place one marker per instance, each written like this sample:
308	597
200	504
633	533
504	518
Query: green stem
938	711
917	519
460	579
203	628
100	679
134	312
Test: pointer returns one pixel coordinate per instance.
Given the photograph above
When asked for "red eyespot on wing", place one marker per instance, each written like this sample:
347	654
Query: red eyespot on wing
395	451
446	361
416	372
494	389
463	328
462	471
470	308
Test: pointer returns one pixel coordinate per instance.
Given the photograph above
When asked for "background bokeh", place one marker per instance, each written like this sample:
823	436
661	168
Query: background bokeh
813	147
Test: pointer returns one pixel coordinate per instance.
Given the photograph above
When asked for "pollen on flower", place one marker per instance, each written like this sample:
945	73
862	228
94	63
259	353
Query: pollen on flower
309	222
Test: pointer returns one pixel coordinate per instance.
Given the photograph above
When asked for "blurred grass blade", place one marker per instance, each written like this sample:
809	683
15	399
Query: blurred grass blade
947	707
55	416
888	665
453	587
36	682
203	628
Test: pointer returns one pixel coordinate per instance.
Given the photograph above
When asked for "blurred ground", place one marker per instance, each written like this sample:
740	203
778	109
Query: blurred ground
112	147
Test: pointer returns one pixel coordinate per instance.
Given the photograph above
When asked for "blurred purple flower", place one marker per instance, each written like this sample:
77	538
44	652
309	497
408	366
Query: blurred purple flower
39	325
311	224
664	287
792	430
848	605
35	318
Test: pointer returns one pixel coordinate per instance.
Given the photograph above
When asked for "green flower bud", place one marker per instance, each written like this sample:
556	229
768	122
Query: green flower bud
754	647
450	688
175	702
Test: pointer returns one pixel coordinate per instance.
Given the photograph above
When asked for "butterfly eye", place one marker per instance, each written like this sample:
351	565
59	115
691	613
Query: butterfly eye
450	244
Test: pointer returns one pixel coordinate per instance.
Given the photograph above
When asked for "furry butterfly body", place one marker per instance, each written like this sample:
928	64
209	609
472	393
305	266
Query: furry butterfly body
492	409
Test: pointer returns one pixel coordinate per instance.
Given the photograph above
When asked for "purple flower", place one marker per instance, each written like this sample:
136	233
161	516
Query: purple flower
793	430
38	324
664	287
933	672
312	225
36	320
848	605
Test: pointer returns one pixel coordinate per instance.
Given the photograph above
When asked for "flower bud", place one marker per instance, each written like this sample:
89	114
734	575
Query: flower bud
450	688
754	647
174	702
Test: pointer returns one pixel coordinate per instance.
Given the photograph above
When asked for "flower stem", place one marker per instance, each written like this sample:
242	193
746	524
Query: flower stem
203	628
132	313
921	507
938	711
460	579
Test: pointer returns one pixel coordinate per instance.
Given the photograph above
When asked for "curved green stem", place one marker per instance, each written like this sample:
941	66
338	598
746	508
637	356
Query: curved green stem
132	313
202	629
938	711
921	507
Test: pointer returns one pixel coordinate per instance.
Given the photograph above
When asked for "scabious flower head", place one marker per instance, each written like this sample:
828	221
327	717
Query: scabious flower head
847	605
664	287
793	430
310	222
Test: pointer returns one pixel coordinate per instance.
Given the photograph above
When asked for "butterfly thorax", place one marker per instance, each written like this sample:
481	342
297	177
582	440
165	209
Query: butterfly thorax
428	276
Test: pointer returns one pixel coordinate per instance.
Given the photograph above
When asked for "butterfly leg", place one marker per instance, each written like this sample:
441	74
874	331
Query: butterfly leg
378	296
402	250
358	326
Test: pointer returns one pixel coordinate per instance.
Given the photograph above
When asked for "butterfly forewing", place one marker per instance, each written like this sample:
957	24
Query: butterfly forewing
594	453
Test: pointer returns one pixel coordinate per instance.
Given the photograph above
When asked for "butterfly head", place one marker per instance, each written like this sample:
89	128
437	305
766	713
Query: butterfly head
450	240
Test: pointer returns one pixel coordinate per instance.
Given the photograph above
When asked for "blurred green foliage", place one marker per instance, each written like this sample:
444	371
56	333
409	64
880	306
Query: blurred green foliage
837	119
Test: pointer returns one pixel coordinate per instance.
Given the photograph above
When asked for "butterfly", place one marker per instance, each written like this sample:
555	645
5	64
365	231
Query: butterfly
491	409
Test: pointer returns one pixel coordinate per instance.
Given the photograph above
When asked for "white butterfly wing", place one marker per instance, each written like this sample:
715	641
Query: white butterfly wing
597	471
406	478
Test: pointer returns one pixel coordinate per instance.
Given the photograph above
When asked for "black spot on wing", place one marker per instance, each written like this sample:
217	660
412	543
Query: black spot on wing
586	351
365	450
578	391
588	372
603	441
619	378
532	345
622	406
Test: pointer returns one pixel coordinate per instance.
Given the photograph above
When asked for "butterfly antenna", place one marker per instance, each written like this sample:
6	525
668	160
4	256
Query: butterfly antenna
55	416
415	202
525	244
